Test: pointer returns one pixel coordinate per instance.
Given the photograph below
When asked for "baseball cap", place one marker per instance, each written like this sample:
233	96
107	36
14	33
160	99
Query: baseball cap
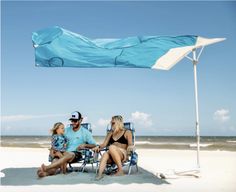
75	116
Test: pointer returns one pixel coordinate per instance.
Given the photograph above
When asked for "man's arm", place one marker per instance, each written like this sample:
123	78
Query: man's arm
90	146
86	146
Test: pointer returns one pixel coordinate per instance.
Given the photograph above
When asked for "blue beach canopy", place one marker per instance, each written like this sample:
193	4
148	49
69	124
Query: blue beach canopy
57	47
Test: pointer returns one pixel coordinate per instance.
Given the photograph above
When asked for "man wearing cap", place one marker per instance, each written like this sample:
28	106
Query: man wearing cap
79	138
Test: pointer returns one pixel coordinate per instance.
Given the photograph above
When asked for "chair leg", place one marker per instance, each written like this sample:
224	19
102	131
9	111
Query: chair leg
82	167
130	167
71	168
96	168
136	167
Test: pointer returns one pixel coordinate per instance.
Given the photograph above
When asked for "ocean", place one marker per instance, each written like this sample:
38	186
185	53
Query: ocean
148	142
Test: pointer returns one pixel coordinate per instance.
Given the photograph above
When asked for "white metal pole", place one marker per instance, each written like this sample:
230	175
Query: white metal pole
196	105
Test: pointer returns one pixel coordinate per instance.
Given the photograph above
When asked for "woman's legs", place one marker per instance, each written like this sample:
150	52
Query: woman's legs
117	157
103	162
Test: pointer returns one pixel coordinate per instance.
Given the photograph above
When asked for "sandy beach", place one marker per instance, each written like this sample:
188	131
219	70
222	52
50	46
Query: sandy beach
218	169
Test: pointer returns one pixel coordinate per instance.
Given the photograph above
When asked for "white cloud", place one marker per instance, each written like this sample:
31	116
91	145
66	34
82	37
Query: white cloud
141	118
221	115
11	118
103	122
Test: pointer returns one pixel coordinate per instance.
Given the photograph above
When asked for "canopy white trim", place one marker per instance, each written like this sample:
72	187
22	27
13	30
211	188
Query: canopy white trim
174	55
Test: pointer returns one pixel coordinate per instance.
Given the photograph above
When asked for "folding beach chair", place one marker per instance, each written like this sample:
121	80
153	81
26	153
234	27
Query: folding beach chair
132	157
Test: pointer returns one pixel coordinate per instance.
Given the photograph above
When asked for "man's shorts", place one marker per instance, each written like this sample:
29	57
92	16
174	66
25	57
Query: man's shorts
77	158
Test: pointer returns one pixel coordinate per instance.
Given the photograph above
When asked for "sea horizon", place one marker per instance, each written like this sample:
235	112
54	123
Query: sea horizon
227	143
136	135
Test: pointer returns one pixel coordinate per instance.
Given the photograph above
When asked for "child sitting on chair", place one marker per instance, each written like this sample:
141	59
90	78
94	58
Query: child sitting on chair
58	144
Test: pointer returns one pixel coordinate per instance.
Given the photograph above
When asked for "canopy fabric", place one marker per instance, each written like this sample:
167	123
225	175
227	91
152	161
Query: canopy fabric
57	47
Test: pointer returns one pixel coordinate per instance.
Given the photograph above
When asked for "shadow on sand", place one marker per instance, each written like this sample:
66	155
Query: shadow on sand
27	176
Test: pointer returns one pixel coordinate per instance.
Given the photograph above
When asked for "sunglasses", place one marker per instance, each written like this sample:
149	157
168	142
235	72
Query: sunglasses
74	120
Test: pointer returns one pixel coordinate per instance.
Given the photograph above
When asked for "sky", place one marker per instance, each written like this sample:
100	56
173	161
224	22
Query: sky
157	102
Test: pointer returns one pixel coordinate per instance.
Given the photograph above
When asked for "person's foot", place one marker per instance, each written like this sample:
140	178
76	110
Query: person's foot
43	168
119	173
41	173
64	171
98	177
52	171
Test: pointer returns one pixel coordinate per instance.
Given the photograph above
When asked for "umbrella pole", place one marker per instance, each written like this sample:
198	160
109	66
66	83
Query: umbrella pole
195	61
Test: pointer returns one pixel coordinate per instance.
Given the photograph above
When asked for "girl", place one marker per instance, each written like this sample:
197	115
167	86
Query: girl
58	144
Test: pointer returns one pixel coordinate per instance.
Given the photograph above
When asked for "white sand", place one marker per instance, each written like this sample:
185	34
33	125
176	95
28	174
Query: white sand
218	168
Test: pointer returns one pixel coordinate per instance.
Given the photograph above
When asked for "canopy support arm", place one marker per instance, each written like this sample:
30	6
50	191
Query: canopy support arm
196	171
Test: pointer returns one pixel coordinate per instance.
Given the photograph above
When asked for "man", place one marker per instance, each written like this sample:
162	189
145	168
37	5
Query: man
79	138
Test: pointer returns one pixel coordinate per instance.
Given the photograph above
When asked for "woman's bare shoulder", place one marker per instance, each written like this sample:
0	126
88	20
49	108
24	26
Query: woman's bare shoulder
128	132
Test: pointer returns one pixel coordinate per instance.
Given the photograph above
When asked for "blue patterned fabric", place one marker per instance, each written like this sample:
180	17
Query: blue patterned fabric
57	47
59	142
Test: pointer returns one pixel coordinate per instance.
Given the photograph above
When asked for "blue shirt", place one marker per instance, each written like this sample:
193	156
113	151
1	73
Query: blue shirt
76	138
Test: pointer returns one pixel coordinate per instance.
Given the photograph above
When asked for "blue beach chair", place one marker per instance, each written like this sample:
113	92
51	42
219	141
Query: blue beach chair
132	160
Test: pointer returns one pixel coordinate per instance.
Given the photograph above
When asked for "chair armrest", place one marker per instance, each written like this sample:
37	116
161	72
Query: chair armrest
131	149
104	149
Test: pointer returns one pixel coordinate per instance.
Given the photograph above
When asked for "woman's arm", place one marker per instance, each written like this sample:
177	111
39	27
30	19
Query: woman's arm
104	144
128	136
106	140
